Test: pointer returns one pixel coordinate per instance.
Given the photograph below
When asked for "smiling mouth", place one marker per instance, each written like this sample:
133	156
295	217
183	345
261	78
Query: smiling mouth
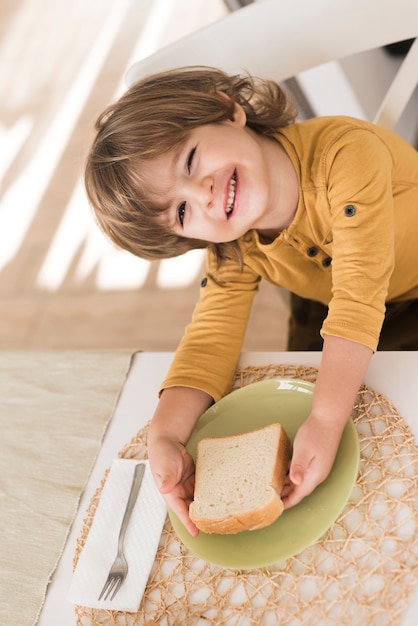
231	194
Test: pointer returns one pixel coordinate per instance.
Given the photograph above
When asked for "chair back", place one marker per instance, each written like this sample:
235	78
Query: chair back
279	39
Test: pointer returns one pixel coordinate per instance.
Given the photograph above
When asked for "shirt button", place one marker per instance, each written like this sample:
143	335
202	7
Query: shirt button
204	282
327	261
349	210
312	251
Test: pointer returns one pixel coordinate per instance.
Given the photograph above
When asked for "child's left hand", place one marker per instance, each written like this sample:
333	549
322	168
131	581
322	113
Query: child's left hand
314	450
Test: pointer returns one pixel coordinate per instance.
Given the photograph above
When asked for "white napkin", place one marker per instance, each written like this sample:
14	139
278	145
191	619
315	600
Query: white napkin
141	540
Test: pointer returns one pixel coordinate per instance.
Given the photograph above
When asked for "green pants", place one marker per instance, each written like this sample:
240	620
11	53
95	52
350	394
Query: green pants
399	330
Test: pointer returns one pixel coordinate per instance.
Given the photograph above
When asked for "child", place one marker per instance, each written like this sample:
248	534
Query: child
326	208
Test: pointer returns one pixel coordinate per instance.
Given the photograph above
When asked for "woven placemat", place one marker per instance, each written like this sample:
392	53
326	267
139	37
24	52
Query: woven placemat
361	572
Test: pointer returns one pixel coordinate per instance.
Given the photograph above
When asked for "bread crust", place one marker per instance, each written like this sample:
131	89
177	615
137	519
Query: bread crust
262	516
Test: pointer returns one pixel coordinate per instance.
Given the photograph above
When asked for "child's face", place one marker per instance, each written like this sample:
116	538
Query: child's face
221	184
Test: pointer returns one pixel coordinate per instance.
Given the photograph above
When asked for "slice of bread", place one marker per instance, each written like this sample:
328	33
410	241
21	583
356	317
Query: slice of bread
239	480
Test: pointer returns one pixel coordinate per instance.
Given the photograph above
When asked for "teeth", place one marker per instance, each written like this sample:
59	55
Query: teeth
231	195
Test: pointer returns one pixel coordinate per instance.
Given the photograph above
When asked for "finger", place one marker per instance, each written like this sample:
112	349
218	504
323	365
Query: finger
165	483
292	498
190	527
287	480
299	491
181	509
297	494
297	473
299	467
287	488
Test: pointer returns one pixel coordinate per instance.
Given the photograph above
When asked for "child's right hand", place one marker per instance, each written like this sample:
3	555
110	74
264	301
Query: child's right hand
172	466
174	473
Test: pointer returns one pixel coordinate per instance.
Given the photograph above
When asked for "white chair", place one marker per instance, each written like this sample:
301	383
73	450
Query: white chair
281	39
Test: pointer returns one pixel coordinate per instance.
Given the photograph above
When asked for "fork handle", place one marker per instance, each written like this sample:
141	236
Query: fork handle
133	494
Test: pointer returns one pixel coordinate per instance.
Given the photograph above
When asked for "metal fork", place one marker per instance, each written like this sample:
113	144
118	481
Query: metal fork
119	569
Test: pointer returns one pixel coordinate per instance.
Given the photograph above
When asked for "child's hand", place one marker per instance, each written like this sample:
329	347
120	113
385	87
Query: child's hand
314	450
174	472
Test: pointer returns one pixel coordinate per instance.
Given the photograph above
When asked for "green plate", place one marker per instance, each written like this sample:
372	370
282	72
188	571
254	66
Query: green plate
288	402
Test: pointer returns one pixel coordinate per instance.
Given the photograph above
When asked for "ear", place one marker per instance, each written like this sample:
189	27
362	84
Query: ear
238	115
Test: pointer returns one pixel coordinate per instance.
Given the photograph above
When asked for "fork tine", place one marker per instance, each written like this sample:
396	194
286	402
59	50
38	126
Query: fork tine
106	587
112	583
117	586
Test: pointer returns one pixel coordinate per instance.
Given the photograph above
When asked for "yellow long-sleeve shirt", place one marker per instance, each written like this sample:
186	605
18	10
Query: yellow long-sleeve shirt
352	245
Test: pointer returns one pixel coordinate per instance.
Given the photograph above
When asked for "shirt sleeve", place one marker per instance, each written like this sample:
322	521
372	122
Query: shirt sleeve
209	351
359	181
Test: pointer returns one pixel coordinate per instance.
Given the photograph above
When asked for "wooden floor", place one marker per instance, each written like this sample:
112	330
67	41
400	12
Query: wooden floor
62	286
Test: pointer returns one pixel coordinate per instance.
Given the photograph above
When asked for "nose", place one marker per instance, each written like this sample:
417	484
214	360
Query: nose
201	192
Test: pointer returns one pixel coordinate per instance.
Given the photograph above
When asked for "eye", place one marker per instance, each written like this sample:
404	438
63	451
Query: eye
181	211
190	159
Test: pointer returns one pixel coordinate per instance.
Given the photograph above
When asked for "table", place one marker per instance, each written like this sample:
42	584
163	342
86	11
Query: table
393	374
47	449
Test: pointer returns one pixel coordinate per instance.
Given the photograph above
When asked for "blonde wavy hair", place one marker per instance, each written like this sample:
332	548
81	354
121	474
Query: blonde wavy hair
154	116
